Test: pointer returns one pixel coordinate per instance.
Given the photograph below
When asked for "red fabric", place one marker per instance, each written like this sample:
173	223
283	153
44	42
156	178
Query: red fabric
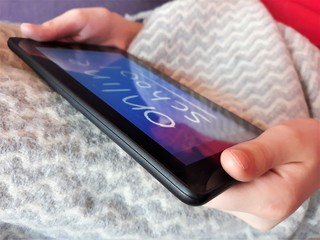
302	15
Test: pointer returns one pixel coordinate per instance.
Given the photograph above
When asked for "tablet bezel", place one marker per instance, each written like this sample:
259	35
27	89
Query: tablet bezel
189	183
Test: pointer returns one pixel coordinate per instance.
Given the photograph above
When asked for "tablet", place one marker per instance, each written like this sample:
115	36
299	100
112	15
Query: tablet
173	132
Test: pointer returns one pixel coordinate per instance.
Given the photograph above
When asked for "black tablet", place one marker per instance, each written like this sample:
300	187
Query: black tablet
174	133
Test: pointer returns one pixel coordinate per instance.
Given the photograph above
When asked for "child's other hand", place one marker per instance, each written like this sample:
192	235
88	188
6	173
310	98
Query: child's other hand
279	170
88	25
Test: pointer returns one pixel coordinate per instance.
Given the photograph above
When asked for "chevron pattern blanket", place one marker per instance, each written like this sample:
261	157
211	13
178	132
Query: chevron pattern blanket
61	178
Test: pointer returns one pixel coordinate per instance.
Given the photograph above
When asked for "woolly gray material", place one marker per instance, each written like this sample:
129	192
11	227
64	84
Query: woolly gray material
61	178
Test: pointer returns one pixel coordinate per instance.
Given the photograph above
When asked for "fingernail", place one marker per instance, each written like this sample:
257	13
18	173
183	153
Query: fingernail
25	28
240	158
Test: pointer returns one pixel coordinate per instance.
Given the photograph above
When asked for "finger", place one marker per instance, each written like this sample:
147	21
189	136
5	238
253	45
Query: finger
262	203
255	221
64	26
36	32
249	160
259	197
291	152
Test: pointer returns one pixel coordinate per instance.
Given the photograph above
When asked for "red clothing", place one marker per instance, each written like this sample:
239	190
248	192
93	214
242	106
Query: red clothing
302	15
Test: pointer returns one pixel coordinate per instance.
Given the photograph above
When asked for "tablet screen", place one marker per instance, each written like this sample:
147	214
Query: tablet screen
186	127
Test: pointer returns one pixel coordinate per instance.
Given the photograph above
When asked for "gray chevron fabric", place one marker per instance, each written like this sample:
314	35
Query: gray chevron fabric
61	178
233	53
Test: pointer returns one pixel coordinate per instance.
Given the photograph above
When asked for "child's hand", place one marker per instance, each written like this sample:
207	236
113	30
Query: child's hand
280	170
90	25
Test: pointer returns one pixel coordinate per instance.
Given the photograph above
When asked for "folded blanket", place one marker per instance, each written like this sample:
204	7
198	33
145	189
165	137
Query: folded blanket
62	178
302	15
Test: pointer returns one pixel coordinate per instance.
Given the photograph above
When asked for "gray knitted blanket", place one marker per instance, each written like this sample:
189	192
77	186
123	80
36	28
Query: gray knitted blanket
61	178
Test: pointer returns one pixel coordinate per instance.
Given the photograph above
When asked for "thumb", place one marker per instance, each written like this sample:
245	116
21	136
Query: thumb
249	160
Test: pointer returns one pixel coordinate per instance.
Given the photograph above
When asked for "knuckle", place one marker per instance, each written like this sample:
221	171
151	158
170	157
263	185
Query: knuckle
264	154
76	13
85	13
293	134
289	139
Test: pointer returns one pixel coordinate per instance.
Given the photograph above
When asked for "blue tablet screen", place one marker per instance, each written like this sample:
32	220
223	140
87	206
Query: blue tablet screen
187	128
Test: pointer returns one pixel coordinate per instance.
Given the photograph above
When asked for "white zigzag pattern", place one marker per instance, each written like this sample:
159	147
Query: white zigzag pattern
307	60
229	51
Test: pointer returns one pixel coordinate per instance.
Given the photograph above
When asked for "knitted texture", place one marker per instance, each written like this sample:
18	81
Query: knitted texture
234	53
62	178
